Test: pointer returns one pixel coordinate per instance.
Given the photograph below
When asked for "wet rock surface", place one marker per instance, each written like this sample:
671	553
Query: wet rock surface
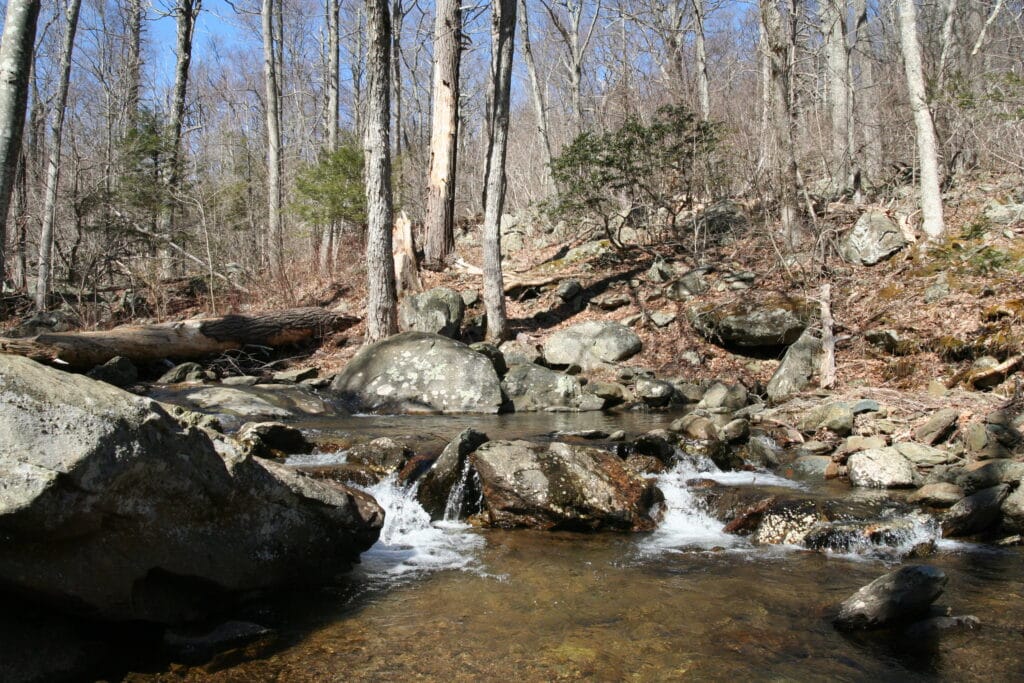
901	595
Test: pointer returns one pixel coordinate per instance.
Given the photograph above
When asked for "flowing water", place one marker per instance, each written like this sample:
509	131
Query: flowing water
441	601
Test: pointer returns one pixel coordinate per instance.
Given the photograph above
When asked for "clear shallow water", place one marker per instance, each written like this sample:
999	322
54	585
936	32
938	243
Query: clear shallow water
445	602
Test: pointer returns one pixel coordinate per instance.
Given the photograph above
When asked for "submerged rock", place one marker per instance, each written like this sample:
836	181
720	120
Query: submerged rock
110	507
902	595
415	372
560	486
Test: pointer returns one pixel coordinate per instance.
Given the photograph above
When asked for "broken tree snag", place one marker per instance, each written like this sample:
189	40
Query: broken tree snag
186	340
407	269
827	370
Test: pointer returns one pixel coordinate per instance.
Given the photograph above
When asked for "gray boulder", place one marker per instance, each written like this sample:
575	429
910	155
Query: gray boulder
721	395
1004	214
272	439
939	494
874	238
534	388
975	513
110	507
258	402
938	427
880	468
923	456
436	485
654	392
798	367
118	371
184	372
591	344
435	311
753	322
560	486
902	595
415	372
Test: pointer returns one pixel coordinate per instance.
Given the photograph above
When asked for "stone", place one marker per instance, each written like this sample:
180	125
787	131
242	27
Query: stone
880	468
663	318
901	595
259	402
192	646
851	536
890	341
811	467
924	456
788	522
1013	510
533	388
436	485
798	367
976	513
694	426
1004	214
735	431
435	311
295	375
118	371
937	495
653	392
613	393
938	427
383	456
240	381
836	417
874	238
568	290
517	352
654	445
470	297
988	473
929	629
111	507
560	486
761	450
688	392
855	443
611	301
866	405
720	395
272	439
185	372
660	272
416	372
591	345
764	322
936	293
688	285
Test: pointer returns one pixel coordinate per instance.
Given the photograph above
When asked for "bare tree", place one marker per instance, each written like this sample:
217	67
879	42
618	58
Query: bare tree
53	166
438	222
381	318
503	29
576	39
15	65
703	88
833	20
931	194
540	107
275	227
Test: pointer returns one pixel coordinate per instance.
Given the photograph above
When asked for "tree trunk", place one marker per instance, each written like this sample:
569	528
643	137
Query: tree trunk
833	18
537	91
703	93
381	320
503	28
133	65
275	228
15	64
180	340
186	11
439	219
333	45
931	195
53	166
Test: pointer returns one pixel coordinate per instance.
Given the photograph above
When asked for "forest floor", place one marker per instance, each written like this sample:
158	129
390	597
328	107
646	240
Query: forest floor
944	304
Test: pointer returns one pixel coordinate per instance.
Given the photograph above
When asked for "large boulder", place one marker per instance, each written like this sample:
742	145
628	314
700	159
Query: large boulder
110	507
975	513
753	322
437	311
902	595
874	238
416	372
535	388
881	468
445	474
591	344
560	486
259	402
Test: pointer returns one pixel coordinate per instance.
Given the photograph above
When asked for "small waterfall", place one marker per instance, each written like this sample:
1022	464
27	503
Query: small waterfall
453	506
410	542
685	524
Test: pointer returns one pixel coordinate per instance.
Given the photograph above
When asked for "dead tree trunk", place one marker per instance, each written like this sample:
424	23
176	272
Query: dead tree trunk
439	229
540	107
275	229
185	340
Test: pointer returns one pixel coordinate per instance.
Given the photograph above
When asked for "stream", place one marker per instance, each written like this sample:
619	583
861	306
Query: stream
444	601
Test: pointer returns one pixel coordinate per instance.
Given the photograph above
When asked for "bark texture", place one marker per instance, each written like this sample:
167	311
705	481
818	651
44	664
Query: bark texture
381	317
275	228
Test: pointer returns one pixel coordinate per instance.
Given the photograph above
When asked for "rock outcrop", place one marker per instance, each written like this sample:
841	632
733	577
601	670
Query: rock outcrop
436	311
591	344
110	507
874	238
753	323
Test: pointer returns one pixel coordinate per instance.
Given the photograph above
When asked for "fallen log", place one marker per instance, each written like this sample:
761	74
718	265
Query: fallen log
185	340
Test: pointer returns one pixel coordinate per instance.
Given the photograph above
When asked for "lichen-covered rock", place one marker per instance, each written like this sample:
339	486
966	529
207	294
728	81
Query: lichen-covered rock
753	322
416	372
436	311
904	594
534	388
880	468
109	506
591	344
788	522
560	486
874	237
